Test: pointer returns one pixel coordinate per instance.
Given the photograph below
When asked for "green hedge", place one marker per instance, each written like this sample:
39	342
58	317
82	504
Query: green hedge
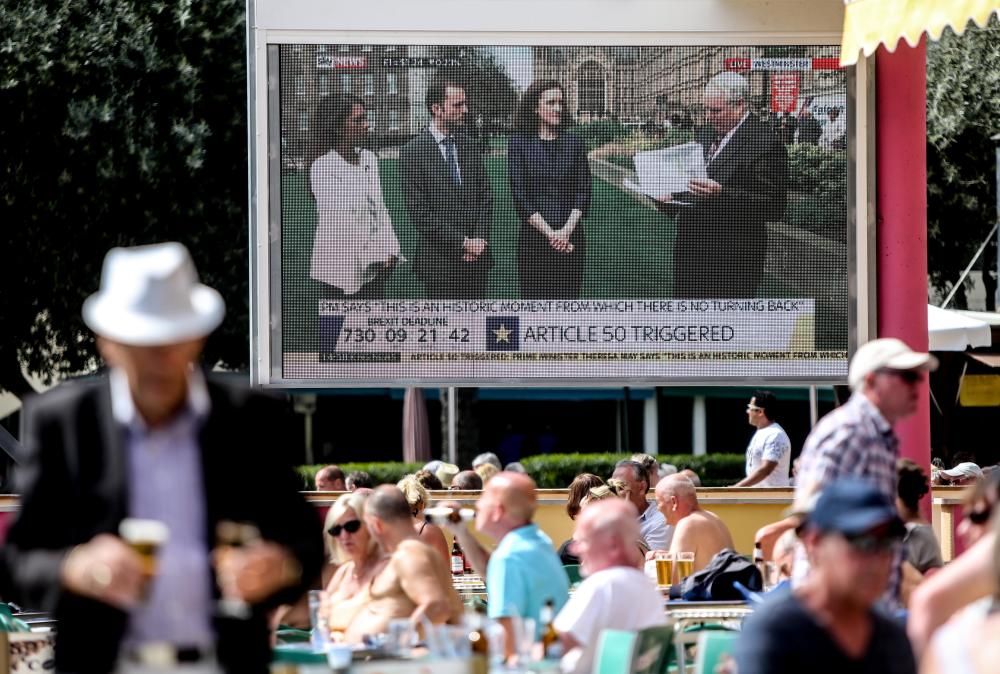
556	471
819	176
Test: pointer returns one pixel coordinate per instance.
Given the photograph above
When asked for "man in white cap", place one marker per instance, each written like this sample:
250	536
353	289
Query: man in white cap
856	439
154	440
962	474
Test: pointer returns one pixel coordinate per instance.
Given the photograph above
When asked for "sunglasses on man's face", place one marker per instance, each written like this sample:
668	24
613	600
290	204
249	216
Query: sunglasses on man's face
870	543
908	376
350	527
979	515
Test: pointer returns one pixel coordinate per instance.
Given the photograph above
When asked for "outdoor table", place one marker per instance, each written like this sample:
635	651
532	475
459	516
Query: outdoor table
469	586
685	614
300	659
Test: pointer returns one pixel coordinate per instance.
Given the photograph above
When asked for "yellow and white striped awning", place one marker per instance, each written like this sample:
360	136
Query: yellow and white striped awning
869	23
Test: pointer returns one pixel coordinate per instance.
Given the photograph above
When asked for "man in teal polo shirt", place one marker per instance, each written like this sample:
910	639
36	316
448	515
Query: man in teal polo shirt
524	571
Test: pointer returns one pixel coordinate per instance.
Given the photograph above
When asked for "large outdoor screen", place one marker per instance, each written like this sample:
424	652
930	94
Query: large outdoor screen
485	213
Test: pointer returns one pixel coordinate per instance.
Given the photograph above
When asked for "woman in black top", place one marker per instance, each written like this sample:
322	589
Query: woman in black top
550	183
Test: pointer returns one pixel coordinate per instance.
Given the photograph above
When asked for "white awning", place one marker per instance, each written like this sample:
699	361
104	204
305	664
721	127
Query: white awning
954	331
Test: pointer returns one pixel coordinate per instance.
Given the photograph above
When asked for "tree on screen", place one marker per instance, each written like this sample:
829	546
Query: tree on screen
126	125
963	113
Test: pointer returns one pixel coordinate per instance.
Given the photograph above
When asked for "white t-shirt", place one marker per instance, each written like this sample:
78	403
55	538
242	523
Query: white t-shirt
619	598
770	444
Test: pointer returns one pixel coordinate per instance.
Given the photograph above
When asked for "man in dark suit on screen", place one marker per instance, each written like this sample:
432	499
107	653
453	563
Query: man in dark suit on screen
155	446
448	198
721	242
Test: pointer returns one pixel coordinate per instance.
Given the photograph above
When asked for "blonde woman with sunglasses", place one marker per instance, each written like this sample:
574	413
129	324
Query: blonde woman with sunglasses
360	559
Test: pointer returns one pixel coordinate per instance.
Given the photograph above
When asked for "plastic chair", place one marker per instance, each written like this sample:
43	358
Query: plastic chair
712	646
573	573
692	635
644	652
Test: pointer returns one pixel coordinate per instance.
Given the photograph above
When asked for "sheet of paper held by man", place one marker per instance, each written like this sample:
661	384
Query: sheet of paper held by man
667	171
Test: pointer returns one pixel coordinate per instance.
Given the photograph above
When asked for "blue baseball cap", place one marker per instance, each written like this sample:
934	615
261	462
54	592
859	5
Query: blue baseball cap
853	507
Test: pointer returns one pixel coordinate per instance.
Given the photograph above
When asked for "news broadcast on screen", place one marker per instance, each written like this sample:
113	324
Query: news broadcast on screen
558	213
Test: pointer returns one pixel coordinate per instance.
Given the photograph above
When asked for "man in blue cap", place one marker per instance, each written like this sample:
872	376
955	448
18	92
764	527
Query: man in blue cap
828	623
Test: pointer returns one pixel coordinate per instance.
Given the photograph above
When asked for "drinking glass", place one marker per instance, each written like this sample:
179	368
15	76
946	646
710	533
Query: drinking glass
685	564
664	569
319	635
146	537
400	637
524	630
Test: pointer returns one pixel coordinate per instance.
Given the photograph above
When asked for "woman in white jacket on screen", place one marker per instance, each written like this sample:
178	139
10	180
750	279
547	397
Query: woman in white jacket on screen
355	247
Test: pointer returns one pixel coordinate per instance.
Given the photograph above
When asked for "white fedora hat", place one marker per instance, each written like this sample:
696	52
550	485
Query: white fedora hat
150	296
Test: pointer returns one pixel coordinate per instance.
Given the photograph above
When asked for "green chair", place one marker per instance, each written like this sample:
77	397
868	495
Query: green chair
644	652
573	573
712	647
691	636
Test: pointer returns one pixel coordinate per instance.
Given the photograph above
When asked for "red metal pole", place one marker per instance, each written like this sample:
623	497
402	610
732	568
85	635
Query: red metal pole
901	190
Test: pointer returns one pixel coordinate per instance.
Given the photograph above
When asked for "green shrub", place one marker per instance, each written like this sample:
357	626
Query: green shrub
556	471
598	133
819	175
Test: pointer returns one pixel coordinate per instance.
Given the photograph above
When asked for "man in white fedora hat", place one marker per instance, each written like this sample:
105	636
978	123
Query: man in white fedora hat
154	440
856	440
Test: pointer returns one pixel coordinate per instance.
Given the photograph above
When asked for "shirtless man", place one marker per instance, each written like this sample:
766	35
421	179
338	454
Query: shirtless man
695	530
415	582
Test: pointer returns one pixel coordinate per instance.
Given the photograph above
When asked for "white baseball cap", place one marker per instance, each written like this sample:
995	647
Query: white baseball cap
150	296
887	353
964	469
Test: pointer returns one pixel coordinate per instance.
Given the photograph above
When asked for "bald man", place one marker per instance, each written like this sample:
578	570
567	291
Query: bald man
524	571
695	530
615	595
415	582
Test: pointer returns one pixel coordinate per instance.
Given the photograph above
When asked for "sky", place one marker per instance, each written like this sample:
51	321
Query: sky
517	62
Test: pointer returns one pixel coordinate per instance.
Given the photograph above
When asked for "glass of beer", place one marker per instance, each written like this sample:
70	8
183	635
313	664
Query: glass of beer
146	537
685	564
664	569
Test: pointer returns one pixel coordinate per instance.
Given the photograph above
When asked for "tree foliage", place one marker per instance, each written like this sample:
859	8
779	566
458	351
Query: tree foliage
963	113
126	125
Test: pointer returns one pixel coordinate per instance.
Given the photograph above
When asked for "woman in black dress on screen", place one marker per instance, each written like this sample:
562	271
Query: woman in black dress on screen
550	183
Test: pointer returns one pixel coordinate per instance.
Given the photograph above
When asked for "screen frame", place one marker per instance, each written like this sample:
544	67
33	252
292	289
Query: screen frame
265	217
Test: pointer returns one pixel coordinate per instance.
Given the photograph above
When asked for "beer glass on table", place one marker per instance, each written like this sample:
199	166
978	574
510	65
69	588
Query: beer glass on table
685	564
664	569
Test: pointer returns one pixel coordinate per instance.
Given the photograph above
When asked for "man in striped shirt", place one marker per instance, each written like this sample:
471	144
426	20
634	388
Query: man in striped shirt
857	440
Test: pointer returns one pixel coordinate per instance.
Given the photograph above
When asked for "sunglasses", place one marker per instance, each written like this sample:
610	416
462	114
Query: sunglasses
350	527
871	543
979	516
909	376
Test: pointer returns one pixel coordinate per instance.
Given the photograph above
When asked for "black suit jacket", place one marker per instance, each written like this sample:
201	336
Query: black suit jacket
444	213
73	487
721	242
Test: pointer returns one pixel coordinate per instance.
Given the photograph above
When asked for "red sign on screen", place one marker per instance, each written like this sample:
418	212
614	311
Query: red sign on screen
738	63
784	91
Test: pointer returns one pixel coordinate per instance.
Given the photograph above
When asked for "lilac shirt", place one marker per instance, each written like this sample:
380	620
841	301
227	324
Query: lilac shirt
165	483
